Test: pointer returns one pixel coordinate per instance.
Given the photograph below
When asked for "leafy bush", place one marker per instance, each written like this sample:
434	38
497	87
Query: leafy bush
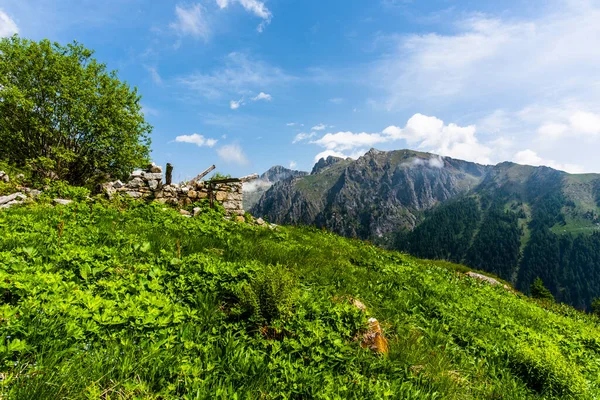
61	189
65	116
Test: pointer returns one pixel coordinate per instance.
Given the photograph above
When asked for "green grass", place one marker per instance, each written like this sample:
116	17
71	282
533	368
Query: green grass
137	301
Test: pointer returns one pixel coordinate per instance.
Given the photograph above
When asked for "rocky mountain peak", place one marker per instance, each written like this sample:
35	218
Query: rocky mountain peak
325	163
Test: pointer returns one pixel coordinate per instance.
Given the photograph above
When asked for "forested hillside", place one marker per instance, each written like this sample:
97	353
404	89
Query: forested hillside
516	221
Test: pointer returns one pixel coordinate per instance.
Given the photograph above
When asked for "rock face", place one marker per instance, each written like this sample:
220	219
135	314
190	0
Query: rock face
375	195
254	190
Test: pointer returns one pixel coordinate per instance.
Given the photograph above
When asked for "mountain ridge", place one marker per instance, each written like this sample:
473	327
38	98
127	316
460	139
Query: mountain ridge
440	207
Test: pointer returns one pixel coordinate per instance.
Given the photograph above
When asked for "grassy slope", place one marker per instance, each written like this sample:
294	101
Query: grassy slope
142	302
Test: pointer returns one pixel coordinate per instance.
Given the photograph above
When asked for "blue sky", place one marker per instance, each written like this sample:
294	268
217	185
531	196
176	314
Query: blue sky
247	84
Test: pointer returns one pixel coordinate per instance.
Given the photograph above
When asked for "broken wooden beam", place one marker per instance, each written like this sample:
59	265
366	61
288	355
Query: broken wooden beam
227	180
202	175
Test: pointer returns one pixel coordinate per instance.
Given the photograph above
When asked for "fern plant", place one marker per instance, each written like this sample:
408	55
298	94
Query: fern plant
270	295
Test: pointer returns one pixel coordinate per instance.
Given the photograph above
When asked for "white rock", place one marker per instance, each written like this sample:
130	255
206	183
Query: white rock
150	176
135	195
11	203
197	211
117	184
63	202
12	197
153	185
135	183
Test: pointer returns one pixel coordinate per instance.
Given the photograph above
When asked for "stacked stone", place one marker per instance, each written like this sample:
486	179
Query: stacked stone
141	184
228	194
148	184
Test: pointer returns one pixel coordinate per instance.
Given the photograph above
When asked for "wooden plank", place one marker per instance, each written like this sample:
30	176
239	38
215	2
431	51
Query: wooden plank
220	181
202	175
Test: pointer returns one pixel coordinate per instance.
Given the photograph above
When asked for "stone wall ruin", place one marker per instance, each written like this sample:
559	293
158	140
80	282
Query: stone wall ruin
148	184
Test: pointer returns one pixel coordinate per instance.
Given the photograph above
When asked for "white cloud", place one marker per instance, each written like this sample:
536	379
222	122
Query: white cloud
343	141
504	59
198	140
232	153
191	20
433	162
431	134
8	27
262	96
586	123
234	105
293	164
303	136
336	100
255	7
530	157
255	185
423	132
293	124
320	127
156	78
240	74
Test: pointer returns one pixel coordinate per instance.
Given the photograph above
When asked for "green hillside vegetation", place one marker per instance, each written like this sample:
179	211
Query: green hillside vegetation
128	300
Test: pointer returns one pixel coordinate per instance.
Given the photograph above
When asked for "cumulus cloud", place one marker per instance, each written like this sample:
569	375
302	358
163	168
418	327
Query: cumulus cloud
293	124
530	157
232	153
320	127
421	131
191	20
262	96
303	136
8	27
293	164
198	140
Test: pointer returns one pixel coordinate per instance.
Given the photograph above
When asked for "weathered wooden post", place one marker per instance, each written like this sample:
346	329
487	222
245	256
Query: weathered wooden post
169	176
210	194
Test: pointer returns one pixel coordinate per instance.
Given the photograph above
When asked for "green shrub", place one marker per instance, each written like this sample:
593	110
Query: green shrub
539	291
270	295
62	189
